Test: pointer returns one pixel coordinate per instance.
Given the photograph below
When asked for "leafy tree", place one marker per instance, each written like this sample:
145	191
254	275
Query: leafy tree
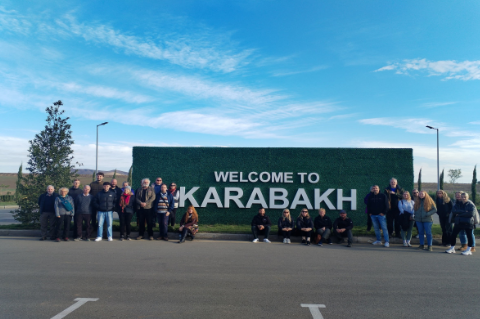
129	178
474	185
50	163
441	178
420	180
454	174
19	181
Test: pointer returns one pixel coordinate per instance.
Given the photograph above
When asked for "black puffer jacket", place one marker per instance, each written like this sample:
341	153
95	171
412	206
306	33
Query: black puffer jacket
304	222
323	222
105	201
285	223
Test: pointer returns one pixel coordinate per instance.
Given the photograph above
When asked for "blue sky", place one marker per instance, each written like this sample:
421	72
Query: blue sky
245	74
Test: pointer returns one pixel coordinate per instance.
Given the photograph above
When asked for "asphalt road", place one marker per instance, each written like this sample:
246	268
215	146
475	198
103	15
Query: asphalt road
6	217
232	279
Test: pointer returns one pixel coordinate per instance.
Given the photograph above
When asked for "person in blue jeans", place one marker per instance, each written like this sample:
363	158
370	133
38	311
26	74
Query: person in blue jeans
424	208
377	207
105	204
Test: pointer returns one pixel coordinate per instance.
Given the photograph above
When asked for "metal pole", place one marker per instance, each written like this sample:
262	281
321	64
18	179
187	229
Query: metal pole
438	163
96	156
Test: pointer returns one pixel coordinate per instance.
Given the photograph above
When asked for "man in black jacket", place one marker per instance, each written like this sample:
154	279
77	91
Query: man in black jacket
46	203
118	191
342	227
394	193
83	212
261	224
74	192
105	204
95	188
323	226
377	207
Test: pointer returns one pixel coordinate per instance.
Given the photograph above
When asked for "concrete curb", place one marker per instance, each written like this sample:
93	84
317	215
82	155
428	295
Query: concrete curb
212	236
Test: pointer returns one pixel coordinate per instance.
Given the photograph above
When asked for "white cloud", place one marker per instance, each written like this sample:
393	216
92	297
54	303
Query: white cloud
449	69
196	47
425	157
313	69
102	91
200	88
437	104
177	49
412	125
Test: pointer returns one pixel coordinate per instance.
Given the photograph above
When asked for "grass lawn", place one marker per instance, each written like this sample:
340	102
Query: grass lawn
8	204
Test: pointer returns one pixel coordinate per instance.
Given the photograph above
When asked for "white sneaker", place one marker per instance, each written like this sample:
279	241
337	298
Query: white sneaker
255	240
405	243
288	241
376	242
110	238
467	252
451	250
387	244
98	239
408	244
284	240
266	240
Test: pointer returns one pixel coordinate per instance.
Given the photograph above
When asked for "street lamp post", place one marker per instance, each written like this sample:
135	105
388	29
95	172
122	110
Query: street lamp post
438	158
96	164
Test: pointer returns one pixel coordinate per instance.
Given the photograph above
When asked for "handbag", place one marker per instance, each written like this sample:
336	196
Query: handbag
465	221
66	204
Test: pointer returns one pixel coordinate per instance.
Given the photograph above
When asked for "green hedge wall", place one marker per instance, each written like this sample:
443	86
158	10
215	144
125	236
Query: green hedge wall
345	168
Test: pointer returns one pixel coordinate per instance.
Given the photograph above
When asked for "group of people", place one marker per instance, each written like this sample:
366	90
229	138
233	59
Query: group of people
304	226
396	209
93	206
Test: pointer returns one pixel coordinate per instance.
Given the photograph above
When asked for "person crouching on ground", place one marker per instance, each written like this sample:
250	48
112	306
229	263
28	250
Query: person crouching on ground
323	226
342	227
83	212
463	215
64	211
424	208
261	224
305	226
127	200
105	204
286	225
188	224
405	206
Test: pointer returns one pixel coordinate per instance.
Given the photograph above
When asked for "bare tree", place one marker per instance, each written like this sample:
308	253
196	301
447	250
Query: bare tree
454	174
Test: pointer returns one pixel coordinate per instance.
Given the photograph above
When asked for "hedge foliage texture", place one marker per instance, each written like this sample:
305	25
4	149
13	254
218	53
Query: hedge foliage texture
339	168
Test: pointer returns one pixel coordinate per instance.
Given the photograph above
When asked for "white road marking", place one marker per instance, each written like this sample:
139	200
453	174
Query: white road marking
79	302
314	310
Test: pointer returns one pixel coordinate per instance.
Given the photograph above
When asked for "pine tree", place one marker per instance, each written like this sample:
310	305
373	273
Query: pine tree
441	178
17	195
474	185
115	174
420	180
50	163
93	176
129	178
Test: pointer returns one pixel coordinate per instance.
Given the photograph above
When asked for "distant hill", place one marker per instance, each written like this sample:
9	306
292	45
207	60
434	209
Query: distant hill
90	172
